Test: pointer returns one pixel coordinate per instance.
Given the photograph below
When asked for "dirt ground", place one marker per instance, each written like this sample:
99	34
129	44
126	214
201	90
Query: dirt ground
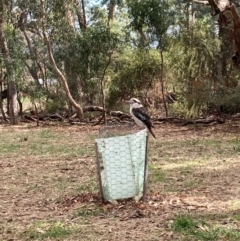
49	188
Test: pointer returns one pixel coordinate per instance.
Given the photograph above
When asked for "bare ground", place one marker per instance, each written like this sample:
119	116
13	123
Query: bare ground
48	179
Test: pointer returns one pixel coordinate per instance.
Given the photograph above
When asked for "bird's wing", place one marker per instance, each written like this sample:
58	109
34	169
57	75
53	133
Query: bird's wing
141	114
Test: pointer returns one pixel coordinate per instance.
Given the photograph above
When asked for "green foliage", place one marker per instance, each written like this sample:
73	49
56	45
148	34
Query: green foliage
92	54
150	14
15	44
192	60
58	103
225	99
137	72
121	54
48	100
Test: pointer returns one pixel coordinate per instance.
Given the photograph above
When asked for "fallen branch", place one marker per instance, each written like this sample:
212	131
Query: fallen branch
118	114
120	117
205	121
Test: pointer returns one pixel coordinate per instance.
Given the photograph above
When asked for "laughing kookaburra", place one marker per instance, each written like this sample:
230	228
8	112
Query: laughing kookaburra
140	115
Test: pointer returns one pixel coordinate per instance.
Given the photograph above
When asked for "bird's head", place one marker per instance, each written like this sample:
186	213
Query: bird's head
134	102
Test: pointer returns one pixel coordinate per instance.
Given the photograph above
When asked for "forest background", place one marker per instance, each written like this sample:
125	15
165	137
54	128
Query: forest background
64	55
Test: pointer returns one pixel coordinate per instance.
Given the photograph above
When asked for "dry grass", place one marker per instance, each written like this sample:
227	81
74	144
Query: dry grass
49	189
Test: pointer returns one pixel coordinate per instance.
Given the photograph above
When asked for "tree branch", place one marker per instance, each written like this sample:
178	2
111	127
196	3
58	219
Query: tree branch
56	69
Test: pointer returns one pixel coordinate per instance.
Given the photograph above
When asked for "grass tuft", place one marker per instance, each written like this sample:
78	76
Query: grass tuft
183	223
43	231
200	230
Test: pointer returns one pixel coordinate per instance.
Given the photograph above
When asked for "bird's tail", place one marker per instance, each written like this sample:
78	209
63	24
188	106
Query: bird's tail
150	130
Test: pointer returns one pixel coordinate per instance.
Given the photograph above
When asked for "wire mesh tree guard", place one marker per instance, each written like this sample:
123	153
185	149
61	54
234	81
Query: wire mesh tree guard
121	158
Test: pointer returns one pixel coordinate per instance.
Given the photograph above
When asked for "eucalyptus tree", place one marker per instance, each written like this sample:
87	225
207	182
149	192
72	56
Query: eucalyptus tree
151	19
227	18
192	57
199	57
11	59
47	17
46	27
25	17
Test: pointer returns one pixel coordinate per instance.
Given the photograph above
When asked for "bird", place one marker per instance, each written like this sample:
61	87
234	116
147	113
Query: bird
140	115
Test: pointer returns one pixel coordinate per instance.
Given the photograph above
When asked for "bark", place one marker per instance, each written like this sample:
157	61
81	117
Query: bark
56	69
236	30
13	110
72	78
13	103
80	10
20	104
162	85
225	35
84	13
102	87
1	103
229	22
69	16
232	28
111	11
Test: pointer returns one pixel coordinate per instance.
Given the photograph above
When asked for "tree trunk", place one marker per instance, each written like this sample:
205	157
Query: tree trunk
1	102
13	103
80	10
13	111
72	78
227	11
84	13
162	85
69	16
111	10
56	69
102	88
